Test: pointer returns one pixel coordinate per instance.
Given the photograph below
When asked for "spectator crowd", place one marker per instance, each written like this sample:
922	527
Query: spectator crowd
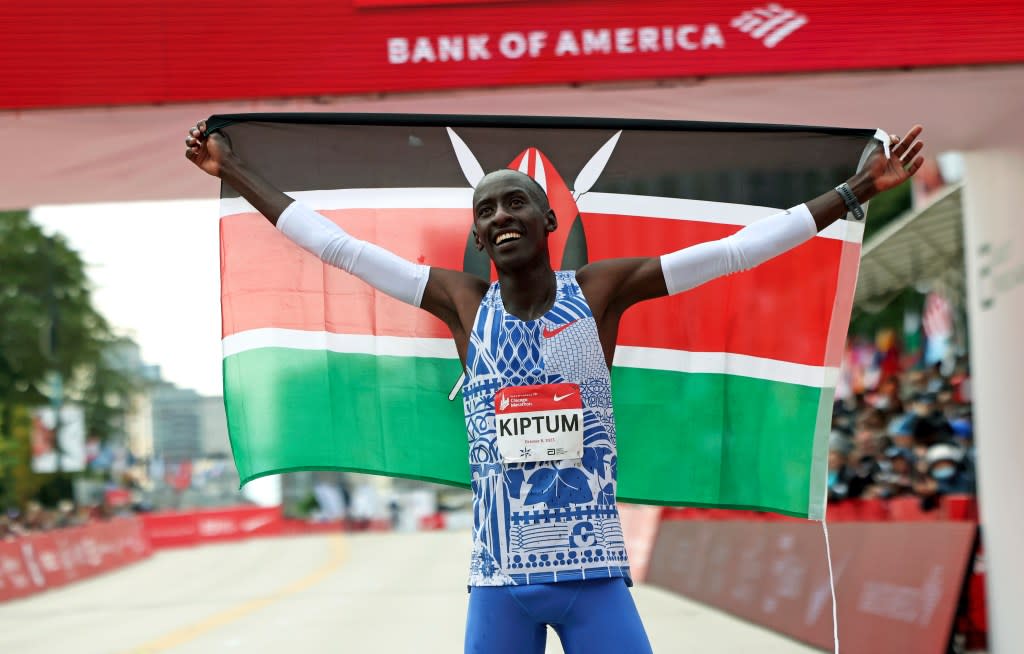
909	433
35	518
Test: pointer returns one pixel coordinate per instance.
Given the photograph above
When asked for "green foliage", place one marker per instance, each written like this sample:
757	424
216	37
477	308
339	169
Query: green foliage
885	207
17	481
48	323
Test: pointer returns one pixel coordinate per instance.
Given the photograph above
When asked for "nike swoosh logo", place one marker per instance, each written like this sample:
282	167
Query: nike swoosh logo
548	333
559	398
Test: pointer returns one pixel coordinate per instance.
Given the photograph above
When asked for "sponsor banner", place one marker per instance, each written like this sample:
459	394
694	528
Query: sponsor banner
173	529
371	46
897	584
63	451
37	562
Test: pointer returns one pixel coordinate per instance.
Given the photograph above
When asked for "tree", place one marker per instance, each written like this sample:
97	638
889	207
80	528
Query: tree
48	324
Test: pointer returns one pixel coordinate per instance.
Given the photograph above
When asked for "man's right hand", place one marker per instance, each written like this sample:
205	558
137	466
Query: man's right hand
208	151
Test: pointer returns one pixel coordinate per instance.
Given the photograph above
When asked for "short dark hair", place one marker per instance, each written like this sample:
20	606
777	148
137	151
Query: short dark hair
533	187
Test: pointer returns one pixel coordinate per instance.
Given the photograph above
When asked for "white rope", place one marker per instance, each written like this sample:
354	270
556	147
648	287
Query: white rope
832	587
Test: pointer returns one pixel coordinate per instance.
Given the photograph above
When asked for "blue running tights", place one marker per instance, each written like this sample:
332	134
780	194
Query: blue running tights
592	617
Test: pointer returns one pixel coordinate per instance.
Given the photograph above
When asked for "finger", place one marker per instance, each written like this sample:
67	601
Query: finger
190	154
907	158
914	165
900	147
907	140
202	127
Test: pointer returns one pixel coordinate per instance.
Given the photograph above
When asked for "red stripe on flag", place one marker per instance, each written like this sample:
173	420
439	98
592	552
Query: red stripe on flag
780	309
267	281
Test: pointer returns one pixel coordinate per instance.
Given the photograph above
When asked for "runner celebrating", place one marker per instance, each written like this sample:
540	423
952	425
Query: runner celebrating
536	347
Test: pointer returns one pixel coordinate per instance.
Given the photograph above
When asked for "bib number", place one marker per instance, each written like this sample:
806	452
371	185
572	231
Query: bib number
539	423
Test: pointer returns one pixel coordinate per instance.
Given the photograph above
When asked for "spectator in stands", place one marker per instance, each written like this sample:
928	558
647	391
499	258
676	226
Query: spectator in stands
901	431
36	518
65	514
839	473
897	475
960	381
888	398
931	426
947	474
863	460
916	383
963	436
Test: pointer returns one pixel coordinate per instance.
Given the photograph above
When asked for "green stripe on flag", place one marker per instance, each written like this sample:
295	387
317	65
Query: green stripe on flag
748	443
294	409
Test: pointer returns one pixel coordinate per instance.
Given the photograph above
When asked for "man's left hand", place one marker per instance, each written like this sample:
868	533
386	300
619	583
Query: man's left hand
902	163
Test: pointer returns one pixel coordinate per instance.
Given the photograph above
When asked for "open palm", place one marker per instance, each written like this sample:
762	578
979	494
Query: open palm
902	162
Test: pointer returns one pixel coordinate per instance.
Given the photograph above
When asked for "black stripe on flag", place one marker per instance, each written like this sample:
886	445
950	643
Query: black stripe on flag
768	165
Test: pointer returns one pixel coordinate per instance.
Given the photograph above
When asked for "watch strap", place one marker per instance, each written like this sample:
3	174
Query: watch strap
850	200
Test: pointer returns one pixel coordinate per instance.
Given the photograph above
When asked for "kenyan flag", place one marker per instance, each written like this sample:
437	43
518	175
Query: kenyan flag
722	394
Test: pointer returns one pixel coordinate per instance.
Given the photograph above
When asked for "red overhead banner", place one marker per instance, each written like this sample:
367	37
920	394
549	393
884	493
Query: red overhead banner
66	53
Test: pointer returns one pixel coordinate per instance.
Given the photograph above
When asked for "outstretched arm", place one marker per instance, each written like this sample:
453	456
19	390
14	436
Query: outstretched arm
612	286
441	292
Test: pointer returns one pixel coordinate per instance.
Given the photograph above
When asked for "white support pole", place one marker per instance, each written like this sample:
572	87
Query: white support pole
994	253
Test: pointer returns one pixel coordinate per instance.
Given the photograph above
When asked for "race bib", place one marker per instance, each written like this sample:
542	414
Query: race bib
539	423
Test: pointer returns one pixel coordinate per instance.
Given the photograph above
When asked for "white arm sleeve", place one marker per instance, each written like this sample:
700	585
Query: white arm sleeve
384	270
751	246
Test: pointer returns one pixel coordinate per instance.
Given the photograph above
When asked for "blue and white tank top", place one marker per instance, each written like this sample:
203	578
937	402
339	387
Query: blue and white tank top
556	520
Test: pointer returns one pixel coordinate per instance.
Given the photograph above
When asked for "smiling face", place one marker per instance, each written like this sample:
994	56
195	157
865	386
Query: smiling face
512	219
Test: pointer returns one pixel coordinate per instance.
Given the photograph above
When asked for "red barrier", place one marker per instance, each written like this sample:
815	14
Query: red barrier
958	508
176	529
47	560
639	529
897	584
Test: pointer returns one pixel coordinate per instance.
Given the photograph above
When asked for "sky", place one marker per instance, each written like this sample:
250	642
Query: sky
155	270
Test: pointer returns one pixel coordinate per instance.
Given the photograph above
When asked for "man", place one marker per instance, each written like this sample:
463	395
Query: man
536	347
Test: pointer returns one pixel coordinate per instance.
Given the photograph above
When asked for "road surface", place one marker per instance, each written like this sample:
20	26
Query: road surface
312	594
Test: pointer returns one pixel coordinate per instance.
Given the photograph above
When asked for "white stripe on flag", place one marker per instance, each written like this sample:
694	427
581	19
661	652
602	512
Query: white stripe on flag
599	203
625	356
298	339
727	363
368	198
700	211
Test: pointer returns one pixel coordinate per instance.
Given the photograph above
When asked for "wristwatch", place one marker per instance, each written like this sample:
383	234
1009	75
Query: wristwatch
850	200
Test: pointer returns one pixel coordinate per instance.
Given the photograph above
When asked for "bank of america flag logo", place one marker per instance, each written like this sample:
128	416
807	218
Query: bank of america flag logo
769	24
